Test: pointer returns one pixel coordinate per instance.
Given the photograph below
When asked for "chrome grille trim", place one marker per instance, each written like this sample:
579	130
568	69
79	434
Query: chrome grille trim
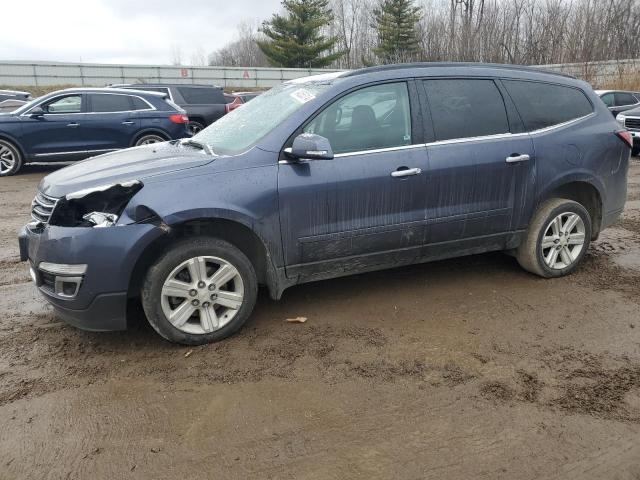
42	207
632	122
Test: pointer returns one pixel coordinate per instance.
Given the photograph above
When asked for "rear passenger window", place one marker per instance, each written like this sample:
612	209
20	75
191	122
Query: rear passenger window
543	104
367	119
102	103
463	108
139	104
623	99
195	95
608	99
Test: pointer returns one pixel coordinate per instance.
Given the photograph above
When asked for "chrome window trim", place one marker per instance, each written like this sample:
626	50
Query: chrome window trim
456	140
150	109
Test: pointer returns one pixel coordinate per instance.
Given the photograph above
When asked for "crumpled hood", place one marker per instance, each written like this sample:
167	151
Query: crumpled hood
122	166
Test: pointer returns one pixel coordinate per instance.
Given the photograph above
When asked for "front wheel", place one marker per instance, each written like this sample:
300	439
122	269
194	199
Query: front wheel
10	159
201	290
557	239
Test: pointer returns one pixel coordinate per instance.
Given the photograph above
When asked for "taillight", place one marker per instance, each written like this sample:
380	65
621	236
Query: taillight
626	137
179	118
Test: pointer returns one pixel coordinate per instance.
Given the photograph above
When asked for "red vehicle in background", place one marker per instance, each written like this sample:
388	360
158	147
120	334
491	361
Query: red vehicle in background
236	99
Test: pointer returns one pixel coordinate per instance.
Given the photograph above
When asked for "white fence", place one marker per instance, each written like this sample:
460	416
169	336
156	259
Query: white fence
94	74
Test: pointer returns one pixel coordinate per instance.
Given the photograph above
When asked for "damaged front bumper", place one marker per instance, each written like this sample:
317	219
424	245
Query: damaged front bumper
93	297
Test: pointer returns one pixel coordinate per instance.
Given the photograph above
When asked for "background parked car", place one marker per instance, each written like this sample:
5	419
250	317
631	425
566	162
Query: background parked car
236	99
631	120
77	123
618	100
11	99
204	104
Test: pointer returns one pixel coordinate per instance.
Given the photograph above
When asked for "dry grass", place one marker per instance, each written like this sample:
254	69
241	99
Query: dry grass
629	81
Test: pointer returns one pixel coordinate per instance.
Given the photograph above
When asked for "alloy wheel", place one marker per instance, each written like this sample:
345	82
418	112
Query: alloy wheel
7	159
202	295
563	240
150	139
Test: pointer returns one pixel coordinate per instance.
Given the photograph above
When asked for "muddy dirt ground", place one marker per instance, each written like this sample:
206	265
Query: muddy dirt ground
467	368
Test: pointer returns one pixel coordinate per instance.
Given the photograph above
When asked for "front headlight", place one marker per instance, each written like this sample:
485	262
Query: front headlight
94	207
621	118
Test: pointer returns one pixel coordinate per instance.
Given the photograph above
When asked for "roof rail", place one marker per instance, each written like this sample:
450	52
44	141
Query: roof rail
401	66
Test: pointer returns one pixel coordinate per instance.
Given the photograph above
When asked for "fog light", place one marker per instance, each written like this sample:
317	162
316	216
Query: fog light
63	268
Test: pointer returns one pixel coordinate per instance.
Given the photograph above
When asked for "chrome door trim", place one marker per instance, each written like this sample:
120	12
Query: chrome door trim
497	136
75	152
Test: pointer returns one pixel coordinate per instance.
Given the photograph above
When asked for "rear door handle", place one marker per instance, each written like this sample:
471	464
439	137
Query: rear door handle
128	122
515	158
407	172
73	125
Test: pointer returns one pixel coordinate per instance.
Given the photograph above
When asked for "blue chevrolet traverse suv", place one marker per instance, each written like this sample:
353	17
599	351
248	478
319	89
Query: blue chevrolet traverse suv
81	122
327	176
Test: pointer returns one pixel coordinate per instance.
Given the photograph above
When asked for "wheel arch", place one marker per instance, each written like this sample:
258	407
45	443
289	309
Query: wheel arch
9	138
149	131
232	231
585	190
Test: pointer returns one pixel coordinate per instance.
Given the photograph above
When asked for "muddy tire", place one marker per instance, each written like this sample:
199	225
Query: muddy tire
10	159
200	290
557	239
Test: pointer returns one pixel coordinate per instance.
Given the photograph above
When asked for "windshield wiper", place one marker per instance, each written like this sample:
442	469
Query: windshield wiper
194	143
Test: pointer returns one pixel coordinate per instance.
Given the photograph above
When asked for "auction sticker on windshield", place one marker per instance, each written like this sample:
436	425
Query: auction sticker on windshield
302	95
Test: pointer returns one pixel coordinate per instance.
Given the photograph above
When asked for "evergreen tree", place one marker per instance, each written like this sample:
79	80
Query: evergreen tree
295	39
396	23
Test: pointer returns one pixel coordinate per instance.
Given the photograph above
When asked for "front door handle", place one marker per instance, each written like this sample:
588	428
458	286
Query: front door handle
73	125
515	158
406	172
128	122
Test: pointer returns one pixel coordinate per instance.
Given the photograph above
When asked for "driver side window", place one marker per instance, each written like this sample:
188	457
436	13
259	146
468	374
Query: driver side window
69	104
367	119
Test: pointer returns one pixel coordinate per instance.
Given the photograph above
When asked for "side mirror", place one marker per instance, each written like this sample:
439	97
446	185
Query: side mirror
36	112
309	146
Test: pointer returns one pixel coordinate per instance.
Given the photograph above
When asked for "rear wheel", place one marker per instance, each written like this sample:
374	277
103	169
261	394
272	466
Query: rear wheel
202	290
148	139
195	127
557	239
10	159
635	151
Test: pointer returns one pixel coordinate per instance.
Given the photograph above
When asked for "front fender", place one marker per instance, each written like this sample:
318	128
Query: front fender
247	196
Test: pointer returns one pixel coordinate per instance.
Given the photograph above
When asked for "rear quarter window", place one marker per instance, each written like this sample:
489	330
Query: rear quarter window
543	105
202	95
140	104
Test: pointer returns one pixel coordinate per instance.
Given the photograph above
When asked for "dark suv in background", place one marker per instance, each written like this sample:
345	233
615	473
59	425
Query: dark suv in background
78	123
204	104
327	176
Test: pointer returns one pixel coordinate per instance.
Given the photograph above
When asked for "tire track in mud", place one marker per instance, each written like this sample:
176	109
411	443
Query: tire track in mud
570	381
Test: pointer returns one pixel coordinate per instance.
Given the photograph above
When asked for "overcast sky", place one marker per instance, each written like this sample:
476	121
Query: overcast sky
122	31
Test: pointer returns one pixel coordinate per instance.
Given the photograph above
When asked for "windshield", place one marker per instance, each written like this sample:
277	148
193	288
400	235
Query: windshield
239	130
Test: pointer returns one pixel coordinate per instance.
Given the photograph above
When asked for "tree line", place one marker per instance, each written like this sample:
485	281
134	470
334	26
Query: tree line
356	33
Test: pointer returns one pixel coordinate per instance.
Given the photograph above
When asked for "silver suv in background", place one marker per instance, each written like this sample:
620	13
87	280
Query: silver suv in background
630	119
618	101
